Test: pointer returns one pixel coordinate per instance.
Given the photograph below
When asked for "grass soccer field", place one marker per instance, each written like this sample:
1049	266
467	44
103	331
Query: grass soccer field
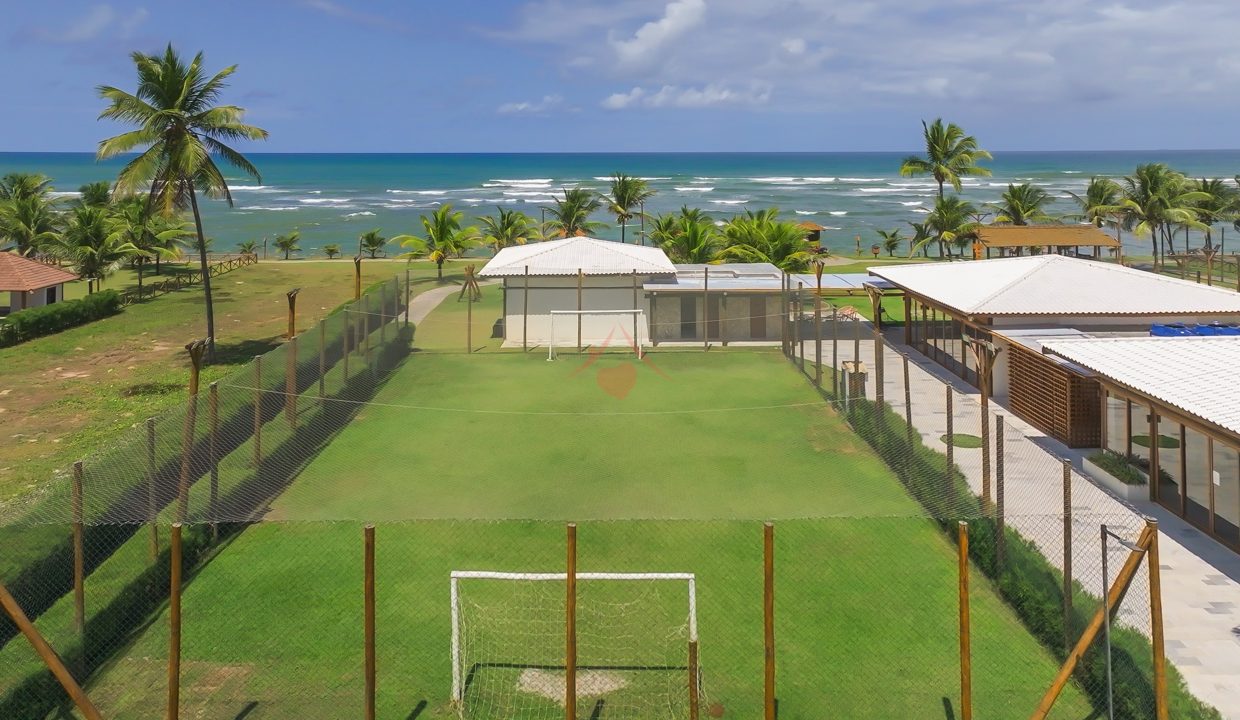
668	465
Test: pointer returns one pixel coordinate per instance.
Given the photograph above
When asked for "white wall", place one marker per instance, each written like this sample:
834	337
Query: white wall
999	373
599	292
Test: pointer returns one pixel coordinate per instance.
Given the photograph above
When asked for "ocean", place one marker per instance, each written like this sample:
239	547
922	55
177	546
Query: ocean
332	198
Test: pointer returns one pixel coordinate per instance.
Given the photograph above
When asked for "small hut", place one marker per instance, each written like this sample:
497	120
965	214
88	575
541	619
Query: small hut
1007	240
813	233
30	283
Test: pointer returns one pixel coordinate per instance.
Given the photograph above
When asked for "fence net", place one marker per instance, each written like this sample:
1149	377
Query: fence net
468	462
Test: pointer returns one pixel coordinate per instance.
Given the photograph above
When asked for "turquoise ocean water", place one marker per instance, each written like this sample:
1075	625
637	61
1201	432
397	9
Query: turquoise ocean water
335	197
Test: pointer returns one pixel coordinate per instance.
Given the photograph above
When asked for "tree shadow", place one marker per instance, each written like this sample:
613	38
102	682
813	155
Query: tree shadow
239	353
417	710
245	711
948	712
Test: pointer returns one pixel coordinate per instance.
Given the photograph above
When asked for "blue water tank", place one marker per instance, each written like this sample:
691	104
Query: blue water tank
1169	330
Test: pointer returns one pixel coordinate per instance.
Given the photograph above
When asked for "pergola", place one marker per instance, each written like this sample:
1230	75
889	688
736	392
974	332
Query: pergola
22	277
1015	239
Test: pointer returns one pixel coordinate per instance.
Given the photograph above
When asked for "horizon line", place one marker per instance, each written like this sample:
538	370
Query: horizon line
645	152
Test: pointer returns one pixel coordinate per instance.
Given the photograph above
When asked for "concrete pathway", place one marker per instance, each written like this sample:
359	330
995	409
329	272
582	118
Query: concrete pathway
1200	578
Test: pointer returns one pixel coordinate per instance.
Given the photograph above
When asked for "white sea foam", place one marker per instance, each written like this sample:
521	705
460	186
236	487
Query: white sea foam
838	213
1071	172
922	210
891	190
363	213
699	188
523	181
729	202
529	193
322	201
806	212
913	203
252	188
275	208
859	180
775	180
64	193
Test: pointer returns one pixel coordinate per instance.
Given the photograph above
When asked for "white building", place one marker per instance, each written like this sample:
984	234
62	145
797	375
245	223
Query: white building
29	283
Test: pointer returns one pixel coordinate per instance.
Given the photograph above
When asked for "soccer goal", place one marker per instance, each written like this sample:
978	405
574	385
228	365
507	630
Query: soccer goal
601	330
636	645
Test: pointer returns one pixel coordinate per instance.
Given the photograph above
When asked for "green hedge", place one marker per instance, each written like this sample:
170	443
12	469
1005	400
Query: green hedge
25	325
1029	584
1119	467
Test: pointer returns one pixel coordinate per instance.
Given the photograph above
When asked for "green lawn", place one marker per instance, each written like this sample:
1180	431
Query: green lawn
692	449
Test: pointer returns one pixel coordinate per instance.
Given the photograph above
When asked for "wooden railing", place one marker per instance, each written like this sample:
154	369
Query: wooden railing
220	265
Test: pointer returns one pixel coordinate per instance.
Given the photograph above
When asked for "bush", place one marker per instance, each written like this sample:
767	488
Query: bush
1120	467
25	325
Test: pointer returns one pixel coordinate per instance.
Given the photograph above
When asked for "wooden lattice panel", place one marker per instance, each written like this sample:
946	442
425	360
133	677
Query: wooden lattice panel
1053	399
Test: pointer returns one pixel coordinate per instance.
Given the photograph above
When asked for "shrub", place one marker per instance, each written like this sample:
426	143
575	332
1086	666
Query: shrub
25	325
1120	467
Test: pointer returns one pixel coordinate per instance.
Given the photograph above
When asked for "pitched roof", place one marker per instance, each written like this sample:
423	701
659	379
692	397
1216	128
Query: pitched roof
589	255
21	274
1056	285
997	236
1199	385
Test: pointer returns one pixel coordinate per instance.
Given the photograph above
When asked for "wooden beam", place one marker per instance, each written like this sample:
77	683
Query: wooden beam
174	625
1161	711
368	617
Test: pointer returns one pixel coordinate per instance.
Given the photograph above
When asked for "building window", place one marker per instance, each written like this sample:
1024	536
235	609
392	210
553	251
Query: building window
1116	439
1197	479
1226	482
1170	470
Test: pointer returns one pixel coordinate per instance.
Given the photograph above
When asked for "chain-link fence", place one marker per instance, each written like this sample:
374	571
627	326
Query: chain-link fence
673	599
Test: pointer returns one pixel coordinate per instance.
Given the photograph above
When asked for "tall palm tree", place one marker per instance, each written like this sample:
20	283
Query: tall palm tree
373	242
1100	205
627	194
287	243
761	237
250	247
950	155
891	240
89	245
98	194
509	227
951	222
694	241
921	232
15	186
180	132
1021	205
571	214
156	236
1222	205
331	250
443	237
28	222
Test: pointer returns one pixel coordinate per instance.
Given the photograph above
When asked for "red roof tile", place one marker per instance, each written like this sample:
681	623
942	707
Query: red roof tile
19	274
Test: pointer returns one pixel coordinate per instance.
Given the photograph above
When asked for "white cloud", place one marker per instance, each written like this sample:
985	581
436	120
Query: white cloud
98	22
794	46
686	97
531	107
679	17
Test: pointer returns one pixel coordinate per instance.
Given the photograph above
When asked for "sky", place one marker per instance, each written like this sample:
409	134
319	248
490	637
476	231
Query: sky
648	75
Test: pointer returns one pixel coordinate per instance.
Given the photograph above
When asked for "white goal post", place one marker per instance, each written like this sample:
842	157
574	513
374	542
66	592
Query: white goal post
550	619
636	341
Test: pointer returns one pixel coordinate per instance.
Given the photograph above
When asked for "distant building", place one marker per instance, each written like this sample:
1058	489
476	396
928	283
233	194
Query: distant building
1007	240
30	283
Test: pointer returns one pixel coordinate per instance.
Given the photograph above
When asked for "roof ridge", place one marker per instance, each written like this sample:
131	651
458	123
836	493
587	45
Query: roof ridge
1043	261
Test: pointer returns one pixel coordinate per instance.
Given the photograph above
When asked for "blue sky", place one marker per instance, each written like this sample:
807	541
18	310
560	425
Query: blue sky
650	75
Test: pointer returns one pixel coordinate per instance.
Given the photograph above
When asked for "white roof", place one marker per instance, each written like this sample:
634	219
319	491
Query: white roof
1188	373
589	255
1056	285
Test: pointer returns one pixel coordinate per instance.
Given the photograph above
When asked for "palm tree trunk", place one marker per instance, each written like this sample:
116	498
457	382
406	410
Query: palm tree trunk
622	228
439	269
206	275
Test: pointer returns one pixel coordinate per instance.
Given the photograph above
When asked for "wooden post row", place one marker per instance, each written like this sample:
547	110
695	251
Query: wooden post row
525	311
768	619
951	440
213	427
151	504
174	625
368	590
290	384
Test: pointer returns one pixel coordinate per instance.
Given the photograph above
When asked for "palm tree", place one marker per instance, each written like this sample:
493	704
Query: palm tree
1021	205
693	241
761	237
332	250
28	222
182	132
951	222
510	227
288	243
1101	204
1156	200
891	240
97	194
89	245
247	247
921	233
443	237
372	242
950	155
15	186
1222	205
627	193
156	236
571	214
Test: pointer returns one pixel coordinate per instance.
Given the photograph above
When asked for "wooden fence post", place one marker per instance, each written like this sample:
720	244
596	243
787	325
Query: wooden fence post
908	401
213	425
570	627
195	350
469	322
693	680
174	625
818	334
580	278
368	535
79	555
966	655
151	503
322	357
525	311
1067	555
705	309
345	344
48	655
1161	711
292	312
768	619
382	315
951	441
290	383
258	411
357	277
1000	539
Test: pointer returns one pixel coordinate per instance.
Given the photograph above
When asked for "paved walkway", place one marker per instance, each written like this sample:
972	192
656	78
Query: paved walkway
1200	577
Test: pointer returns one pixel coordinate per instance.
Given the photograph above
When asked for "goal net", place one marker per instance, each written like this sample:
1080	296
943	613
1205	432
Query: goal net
634	632
599	330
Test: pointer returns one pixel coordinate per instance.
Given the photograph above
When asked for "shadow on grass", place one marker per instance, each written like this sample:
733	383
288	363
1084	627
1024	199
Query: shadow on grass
240	353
